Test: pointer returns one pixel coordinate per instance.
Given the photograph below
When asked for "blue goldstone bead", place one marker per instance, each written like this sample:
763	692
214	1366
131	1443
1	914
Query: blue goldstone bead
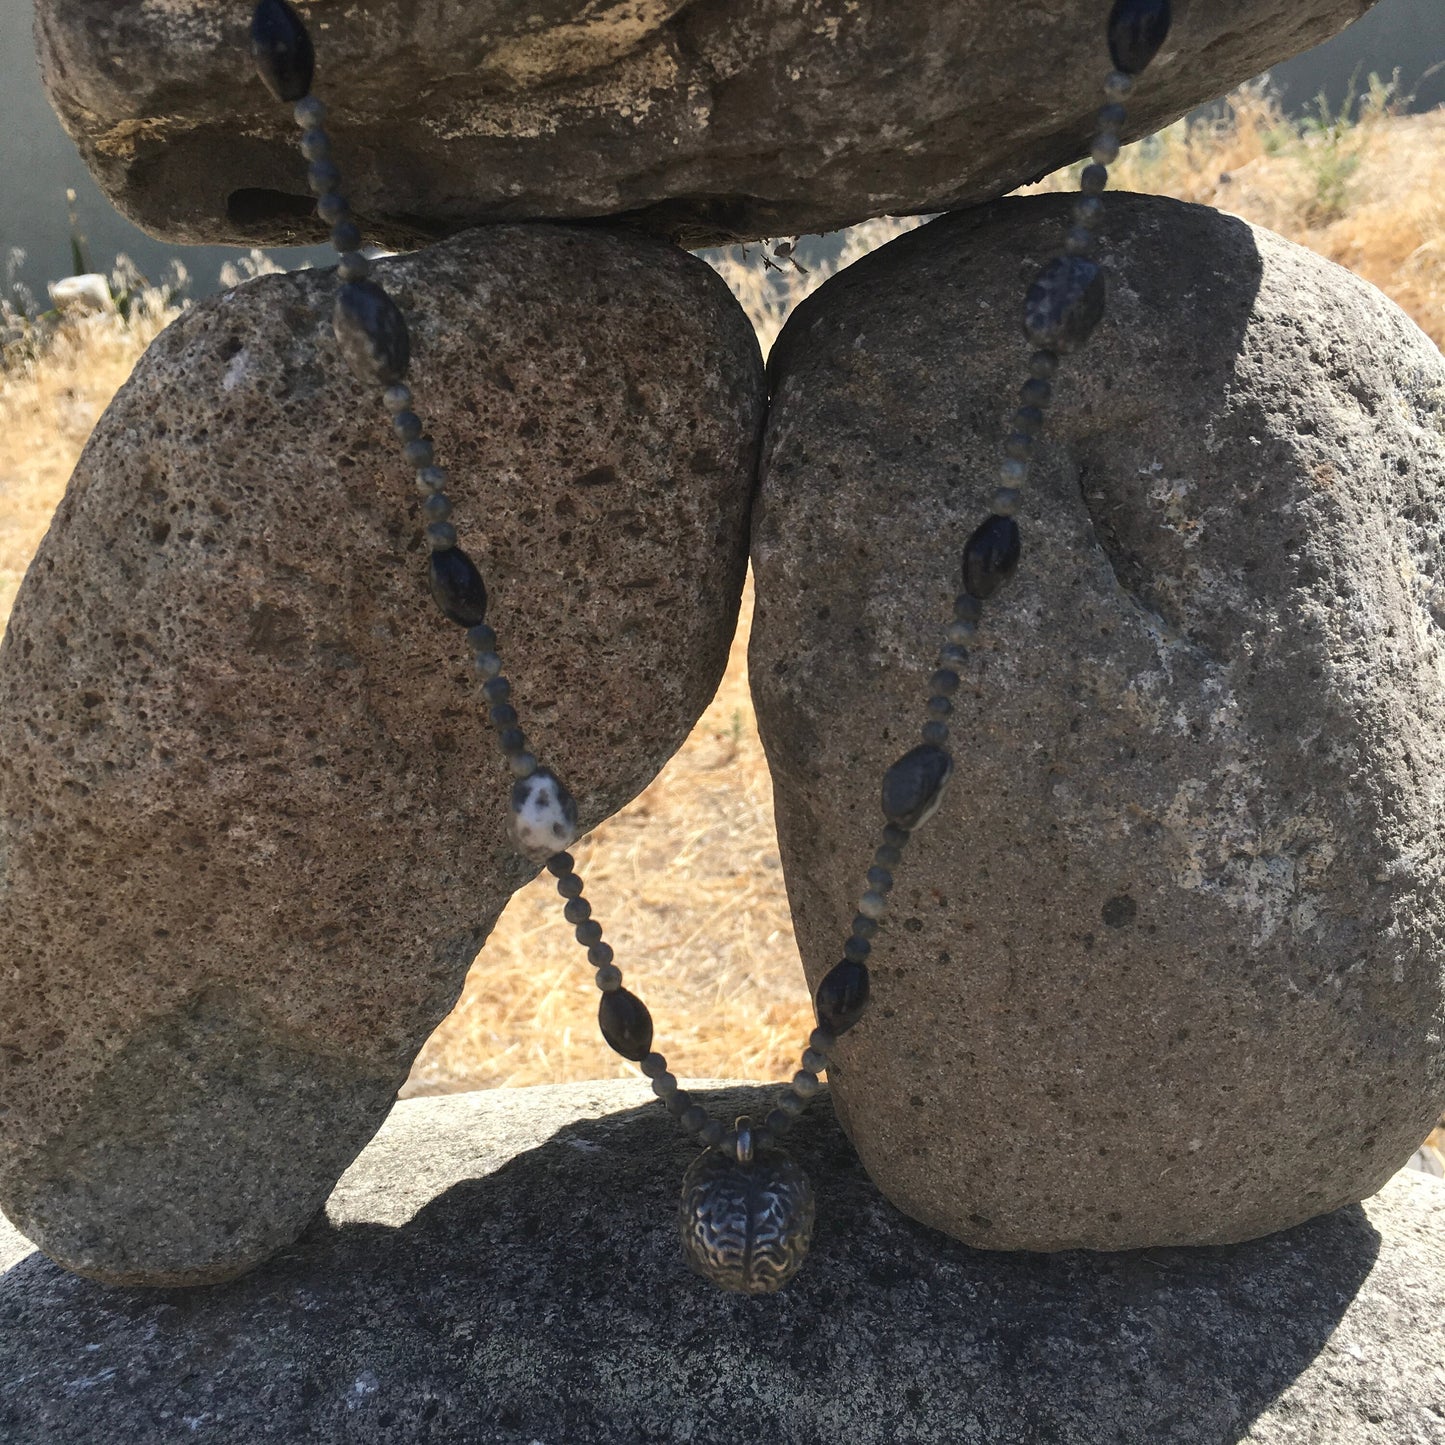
1137	28
281	48
913	786
991	556
842	997
626	1024
1065	303
372	334
456	587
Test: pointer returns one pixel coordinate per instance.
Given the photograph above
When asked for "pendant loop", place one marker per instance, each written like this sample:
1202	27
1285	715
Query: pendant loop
743	1149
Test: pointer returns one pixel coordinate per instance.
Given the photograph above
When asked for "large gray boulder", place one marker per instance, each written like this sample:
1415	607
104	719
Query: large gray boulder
504	1269
707	122
252	816
1166	968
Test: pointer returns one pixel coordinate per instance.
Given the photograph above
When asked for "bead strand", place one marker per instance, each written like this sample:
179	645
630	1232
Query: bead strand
1061	309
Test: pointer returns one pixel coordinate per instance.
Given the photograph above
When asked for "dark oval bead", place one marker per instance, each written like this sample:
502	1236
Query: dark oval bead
1137	28
1065	303
842	997
626	1024
991	556
913	786
281	47
456	587
371	332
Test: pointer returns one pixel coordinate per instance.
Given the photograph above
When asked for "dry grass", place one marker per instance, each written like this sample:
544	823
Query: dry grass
1369	195
687	878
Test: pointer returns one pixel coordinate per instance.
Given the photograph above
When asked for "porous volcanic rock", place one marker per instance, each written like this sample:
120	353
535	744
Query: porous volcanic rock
252	817
504	1268
1166	967
707	122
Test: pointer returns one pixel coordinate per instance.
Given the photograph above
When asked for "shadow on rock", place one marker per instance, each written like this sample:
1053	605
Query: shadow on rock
547	1301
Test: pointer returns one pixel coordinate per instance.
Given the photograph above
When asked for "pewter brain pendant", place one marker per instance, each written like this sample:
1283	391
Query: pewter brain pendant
746	1226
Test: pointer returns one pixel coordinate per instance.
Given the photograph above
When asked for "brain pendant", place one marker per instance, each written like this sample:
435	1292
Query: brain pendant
746	1226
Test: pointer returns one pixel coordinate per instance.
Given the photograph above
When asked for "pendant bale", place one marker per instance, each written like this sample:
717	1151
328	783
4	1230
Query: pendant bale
746	1223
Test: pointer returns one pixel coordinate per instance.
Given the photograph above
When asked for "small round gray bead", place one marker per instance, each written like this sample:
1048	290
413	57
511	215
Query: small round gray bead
600	954
587	933
437	507
523	765
487	663
578	910
407	425
497	689
1034	393
609	978
864	927
354	267
959	633
1117	84
935	732
396	399
856	949
1112	116
712	1133
880	878
815	1061
1006	501
944	681
777	1123
653	1065
481	638
806	1085
1020	445
570	885
512	740
694	1118
1089	210
954	654
939	707
1044	365
440	536
332	208
433	478
872	904
1013	470
309	112
664	1084
1094	179
823	1039
887	855
316	144
421	452
1079	241
1106	148
792	1105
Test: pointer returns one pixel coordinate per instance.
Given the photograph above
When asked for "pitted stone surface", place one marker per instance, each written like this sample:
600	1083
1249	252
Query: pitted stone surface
1166	966
504	1269
253	823
706	122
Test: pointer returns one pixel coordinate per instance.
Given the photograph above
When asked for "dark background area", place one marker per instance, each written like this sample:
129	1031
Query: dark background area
38	162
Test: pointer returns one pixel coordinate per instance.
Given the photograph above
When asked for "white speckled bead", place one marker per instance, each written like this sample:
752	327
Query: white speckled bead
544	815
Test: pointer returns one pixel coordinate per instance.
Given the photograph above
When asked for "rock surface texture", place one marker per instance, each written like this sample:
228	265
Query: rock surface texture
253	822
1166	967
504	1269
709	122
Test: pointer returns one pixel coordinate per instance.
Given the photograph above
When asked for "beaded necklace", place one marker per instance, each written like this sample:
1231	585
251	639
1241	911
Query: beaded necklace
747	1210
